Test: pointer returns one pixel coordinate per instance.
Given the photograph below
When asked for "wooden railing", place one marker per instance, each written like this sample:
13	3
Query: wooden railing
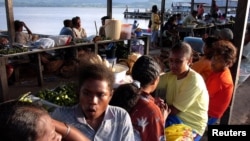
4	60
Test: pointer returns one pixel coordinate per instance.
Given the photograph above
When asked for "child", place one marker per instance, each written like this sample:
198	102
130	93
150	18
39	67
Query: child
147	118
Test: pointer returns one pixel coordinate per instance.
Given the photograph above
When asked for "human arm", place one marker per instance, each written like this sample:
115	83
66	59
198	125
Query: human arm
84	34
69	133
165	109
26	27
174	111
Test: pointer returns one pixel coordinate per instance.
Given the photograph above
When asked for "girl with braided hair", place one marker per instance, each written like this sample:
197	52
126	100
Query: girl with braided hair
147	114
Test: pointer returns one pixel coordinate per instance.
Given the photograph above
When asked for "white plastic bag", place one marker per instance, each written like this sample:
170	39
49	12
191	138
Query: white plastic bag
44	43
61	40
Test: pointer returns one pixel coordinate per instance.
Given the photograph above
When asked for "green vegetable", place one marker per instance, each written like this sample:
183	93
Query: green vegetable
64	95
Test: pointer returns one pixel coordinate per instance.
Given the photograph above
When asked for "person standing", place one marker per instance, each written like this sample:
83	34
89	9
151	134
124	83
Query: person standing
200	10
214	9
155	26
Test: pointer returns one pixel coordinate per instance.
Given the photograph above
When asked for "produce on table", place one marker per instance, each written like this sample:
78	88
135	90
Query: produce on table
63	95
13	50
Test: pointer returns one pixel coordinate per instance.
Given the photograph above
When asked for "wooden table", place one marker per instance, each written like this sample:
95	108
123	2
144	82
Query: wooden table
192	31
4	60
204	29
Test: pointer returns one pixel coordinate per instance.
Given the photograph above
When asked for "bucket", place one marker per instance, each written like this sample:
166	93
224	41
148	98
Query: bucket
126	31
113	29
138	33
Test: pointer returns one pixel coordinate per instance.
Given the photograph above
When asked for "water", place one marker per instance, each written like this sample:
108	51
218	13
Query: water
49	20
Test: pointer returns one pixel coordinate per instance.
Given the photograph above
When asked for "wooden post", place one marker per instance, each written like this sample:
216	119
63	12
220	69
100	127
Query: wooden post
3	80
109	8
162	20
39	70
192	5
226	7
241	15
146	44
10	20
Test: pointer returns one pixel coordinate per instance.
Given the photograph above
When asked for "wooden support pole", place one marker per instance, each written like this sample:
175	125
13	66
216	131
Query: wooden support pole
10	20
3	80
162	18
109	8
241	24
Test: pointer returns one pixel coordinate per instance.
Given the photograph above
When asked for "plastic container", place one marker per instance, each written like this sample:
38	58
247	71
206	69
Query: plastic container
113	29
126	30
138	33
120	72
111	61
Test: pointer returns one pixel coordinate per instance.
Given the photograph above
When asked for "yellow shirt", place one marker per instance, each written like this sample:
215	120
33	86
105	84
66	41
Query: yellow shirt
155	21
190	96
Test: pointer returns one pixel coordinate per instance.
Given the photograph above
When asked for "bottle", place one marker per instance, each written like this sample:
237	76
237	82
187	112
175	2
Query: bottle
104	60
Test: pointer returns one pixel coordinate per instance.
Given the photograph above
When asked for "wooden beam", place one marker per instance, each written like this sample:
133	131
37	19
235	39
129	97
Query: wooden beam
226	9
3	80
192	5
109	8
239	28
10	20
162	16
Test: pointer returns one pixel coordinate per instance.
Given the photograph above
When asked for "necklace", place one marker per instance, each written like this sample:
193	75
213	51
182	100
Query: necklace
183	74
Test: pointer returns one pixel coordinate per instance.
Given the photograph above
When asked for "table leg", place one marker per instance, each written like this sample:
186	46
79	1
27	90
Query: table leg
3	80
39	70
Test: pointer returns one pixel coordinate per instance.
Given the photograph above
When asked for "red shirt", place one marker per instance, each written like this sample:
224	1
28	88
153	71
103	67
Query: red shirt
147	119
220	88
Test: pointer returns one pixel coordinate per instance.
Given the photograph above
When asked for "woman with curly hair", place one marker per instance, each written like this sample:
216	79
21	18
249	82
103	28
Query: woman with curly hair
220	83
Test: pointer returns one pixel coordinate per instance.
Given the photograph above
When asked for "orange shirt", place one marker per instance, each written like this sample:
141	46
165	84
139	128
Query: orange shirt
220	88
203	67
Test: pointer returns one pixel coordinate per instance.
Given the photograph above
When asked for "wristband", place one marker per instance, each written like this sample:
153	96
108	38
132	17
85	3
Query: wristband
68	130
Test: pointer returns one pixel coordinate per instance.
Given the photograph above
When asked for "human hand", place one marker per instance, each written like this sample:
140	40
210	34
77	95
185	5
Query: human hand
4	41
159	102
163	107
165	112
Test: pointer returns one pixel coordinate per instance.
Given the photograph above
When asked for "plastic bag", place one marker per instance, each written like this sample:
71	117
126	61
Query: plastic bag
61	40
179	132
44	43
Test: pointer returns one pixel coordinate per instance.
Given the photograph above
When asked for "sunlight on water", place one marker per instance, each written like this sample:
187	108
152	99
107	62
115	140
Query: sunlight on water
49	20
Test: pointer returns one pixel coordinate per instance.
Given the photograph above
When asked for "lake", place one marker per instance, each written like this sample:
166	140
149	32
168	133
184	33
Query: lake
49	20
